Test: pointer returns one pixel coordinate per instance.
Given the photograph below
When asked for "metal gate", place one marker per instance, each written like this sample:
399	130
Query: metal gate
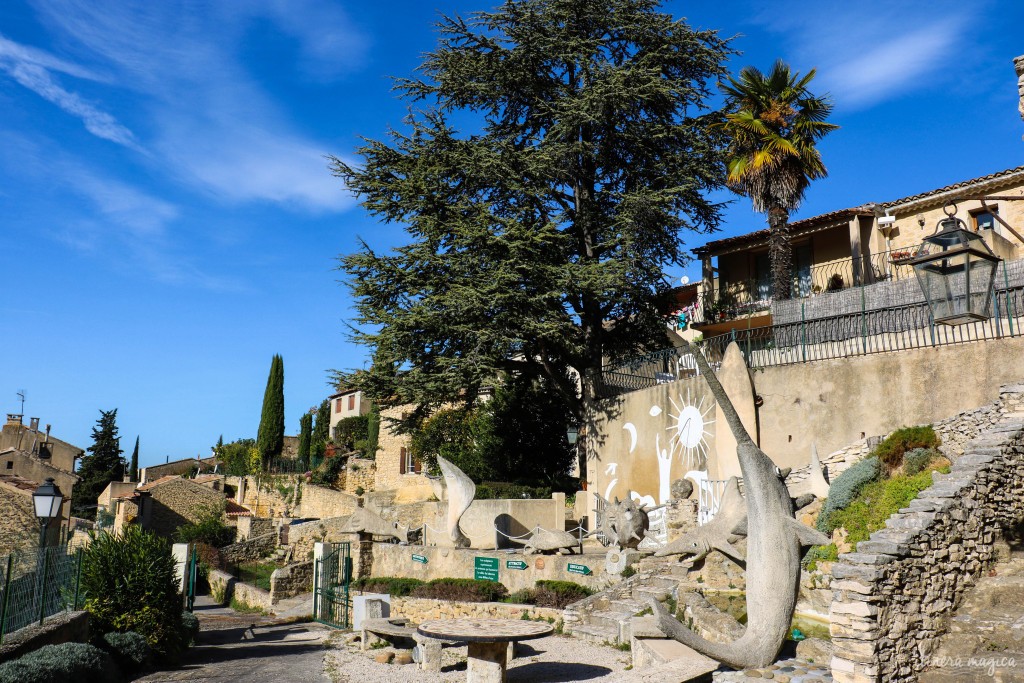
191	577
331	576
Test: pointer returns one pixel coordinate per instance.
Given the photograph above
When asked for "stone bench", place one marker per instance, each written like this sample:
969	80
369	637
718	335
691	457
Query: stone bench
395	631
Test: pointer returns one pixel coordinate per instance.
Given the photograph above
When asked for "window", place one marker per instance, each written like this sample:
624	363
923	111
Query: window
10	464
337	405
984	219
351	401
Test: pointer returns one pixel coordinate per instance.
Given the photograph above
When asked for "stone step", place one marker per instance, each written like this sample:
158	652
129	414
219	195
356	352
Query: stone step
645	593
666	582
609	619
627	605
598	635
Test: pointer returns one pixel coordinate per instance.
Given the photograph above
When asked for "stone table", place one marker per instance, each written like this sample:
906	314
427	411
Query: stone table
488	641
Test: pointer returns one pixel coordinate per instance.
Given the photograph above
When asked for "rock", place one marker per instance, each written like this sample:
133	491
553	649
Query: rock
384	657
814	649
681	489
403	658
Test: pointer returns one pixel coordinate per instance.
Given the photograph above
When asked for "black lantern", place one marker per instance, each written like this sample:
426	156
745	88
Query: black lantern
572	434
47	499
958	277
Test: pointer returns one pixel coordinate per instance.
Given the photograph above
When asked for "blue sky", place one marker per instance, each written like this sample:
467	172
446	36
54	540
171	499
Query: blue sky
168	223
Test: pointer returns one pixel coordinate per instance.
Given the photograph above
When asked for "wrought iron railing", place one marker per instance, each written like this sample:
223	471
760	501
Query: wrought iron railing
746	298
842	336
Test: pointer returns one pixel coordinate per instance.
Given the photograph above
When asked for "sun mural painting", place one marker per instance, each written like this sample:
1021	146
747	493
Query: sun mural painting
689	428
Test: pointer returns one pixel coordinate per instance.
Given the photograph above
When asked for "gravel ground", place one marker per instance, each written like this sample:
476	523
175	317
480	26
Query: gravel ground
545	660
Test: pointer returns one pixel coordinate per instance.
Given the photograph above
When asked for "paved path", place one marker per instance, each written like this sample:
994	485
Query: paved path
251	648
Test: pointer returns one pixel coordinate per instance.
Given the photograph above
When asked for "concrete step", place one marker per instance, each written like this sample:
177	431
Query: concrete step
645	593
598	635
609	619
627	605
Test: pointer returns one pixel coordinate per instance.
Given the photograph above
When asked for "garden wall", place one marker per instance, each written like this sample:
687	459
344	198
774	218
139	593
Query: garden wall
293	579
66	627
302	537
250	550
224	587
396	560
321	503
893	597
418	610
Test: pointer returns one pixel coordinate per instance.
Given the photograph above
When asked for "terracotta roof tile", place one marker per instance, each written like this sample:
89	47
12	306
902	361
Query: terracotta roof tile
1008	173
803	225
157	482
233	509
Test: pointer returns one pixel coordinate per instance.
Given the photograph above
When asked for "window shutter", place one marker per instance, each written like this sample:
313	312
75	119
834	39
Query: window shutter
417	466
351	401
401	461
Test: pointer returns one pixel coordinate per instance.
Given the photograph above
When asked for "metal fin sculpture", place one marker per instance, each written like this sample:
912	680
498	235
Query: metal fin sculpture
774	540
460	491
716	534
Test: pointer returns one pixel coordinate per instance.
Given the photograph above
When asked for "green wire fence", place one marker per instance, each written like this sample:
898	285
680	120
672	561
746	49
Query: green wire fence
36	584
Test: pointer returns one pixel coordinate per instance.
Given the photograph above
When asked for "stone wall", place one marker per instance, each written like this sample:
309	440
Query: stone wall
893	597
291	580
19	528
359	473
388	473
270	495
224	587
418	610
64	627
322	503
251	550
251	527
396	560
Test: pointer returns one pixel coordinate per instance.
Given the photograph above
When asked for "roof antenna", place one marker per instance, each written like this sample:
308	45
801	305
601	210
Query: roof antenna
21	395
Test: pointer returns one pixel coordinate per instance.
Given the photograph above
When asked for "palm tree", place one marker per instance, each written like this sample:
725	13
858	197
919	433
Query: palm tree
772	123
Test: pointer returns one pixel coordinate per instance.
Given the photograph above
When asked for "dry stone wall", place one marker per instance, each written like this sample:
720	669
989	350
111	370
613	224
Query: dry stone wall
893	598
250	550
320	502
418	610
302	537
291	580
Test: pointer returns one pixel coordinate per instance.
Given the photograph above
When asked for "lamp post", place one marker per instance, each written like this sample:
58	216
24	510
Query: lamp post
47	499
958	278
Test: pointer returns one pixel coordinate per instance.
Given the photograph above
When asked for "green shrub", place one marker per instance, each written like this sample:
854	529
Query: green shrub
393	585
628	571
209	529
64	663
462	590
130	585
877	501
190	627
558	594
130	650
327	473
917	460
351	432
492	490
820	553
844	490
890	452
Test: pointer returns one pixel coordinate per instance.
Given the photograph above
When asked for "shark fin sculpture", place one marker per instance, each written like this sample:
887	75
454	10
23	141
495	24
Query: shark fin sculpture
774	548
460	491
716	534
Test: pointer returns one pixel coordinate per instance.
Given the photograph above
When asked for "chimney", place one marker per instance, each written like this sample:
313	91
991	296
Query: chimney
13	420
33	424
1018	64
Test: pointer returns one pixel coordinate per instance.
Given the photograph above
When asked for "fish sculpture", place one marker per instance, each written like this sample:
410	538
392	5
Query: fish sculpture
362	521
718	534
623	524
774	549
460	491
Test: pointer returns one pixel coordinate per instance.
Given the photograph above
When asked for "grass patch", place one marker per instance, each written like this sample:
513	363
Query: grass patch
256	573
878	501
245	608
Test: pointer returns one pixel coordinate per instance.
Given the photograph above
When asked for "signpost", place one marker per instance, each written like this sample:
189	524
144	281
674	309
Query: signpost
515	564
485	568
579	569
419	558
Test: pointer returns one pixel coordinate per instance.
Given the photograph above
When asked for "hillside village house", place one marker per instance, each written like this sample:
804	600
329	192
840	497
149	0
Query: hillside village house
861	245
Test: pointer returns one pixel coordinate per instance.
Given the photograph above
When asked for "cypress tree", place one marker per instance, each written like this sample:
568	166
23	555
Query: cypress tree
134	468
321	430
101	466
270	436
305	437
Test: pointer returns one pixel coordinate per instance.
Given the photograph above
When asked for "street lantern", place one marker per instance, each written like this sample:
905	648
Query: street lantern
572	433
958	277
47	499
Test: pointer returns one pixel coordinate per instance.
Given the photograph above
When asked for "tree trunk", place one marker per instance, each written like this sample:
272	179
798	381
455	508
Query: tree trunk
780	253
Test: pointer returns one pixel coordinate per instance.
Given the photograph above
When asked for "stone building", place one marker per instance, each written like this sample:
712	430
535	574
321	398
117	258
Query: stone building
39	443
169	502
19	528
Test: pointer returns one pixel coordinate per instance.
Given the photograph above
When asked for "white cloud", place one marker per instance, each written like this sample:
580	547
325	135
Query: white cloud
871	51
31	68
212	121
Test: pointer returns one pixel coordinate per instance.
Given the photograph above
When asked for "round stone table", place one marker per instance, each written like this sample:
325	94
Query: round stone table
488	641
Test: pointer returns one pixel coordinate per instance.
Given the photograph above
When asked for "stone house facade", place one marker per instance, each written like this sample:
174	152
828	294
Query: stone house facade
19	528
28	465
396	468
38	442
169	502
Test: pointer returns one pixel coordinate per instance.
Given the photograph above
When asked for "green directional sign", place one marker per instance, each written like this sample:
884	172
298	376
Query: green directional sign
579	569
516	564
419	558
485	568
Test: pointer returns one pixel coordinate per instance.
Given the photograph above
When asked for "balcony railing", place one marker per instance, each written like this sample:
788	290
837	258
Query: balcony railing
746	298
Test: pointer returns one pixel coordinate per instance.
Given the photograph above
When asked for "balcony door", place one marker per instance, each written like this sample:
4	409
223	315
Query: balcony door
802	271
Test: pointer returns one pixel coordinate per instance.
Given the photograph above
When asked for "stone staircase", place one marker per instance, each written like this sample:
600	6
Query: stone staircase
985	641
606	617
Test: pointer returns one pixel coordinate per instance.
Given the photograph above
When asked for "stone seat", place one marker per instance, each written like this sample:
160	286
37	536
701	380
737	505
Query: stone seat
396	631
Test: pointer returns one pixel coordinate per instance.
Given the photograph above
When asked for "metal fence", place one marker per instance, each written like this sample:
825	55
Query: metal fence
854	334
37	584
